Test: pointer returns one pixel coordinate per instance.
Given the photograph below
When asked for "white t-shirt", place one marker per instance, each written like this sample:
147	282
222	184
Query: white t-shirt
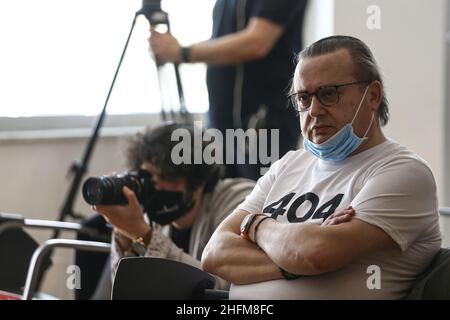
389	187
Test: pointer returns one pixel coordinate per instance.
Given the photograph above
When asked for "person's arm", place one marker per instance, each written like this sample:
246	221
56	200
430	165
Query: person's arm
252	43
235	259
309	249
394	208
239	261
129	223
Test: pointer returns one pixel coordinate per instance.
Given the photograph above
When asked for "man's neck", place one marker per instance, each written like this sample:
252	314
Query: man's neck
376	137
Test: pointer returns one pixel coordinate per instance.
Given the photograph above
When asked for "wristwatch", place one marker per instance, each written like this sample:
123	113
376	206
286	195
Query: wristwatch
247	223
138	246
185	54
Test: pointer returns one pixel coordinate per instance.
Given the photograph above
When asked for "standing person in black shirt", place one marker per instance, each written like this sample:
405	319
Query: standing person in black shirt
250	59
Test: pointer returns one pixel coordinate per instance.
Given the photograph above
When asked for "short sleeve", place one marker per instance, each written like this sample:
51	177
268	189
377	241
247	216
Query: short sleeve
400	198
254	202
279	11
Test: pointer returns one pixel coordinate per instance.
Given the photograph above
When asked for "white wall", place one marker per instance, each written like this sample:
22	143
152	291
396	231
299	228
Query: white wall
319	21
410	49
446	221
35	172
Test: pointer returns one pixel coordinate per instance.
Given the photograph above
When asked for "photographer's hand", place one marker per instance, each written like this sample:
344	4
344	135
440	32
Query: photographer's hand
127	219
165	47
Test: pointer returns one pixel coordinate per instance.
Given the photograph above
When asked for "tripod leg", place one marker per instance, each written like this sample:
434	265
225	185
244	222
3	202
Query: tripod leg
183	109
183	113
160	81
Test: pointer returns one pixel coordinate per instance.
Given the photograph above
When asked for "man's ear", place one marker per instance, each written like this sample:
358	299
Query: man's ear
375	95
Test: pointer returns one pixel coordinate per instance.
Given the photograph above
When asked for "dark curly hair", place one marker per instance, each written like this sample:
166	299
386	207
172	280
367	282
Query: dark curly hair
155	146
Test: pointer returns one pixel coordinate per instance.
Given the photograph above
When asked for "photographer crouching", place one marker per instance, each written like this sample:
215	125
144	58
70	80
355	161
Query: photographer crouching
183	204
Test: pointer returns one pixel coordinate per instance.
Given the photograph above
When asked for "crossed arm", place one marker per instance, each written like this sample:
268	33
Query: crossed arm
299	248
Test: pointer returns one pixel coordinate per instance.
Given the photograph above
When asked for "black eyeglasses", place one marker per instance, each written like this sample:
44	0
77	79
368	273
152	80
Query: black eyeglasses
327	96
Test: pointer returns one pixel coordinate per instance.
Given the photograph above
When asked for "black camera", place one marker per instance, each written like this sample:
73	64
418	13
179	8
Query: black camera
107	190
151	9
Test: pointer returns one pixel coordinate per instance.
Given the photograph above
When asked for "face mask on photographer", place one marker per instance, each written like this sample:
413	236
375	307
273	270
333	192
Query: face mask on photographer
164	207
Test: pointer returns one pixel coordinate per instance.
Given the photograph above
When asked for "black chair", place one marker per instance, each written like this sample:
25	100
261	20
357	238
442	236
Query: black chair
16	250
150	278
93	264
434	283
42	252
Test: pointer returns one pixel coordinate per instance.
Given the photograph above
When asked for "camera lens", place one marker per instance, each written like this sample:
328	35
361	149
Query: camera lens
107	190
104	190
93	191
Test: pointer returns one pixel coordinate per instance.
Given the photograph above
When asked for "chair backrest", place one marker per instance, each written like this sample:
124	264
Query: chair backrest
434	283
150	278
16	249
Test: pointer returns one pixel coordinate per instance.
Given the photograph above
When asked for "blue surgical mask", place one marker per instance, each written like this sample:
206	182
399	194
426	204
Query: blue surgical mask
341	144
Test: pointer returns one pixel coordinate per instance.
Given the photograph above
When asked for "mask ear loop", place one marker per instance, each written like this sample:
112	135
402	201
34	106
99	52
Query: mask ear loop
370	125
357	111
360	104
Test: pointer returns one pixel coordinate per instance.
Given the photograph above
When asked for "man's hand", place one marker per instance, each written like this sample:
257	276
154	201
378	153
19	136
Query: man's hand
336	218
165	47
128	219
339	217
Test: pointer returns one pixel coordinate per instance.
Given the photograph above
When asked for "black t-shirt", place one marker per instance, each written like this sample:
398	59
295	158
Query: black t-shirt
264	81
181	238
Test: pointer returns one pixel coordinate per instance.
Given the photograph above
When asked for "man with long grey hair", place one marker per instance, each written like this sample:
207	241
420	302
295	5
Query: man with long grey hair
346	162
